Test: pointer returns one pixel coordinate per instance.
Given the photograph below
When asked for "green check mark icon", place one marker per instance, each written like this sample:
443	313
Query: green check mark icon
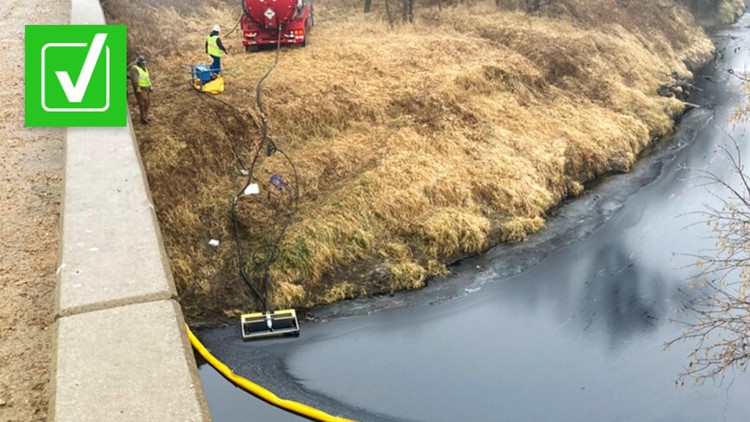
76	92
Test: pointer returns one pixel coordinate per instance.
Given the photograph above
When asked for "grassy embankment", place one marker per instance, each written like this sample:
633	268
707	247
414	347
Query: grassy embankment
416	145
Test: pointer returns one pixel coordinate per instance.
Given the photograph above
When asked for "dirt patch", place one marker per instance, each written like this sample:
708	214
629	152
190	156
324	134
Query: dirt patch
30	186
414	145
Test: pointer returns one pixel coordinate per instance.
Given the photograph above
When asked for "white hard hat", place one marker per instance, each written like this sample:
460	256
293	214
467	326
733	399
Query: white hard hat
216	28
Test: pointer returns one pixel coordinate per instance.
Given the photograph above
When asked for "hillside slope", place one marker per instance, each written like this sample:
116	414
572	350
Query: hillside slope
414	146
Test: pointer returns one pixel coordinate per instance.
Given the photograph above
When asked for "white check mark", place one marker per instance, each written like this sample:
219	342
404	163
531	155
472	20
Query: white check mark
75	92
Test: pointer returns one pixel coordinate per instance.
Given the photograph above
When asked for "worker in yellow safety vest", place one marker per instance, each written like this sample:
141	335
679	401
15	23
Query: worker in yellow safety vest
142	87
215	48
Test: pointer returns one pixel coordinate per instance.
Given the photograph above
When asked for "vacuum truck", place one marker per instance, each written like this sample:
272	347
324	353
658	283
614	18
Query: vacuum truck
263	19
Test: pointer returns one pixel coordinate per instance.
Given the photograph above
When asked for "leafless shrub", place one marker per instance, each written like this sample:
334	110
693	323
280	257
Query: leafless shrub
720	316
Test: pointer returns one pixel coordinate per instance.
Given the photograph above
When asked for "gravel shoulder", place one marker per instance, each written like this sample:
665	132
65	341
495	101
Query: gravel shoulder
30	192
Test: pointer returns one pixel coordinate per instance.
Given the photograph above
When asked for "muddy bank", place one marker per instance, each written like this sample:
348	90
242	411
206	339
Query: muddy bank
415	146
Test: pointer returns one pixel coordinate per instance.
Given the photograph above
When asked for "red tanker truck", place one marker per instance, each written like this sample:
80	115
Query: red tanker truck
263	19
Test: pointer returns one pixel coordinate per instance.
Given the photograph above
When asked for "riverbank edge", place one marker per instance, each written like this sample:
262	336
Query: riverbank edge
711	25
323	310
121	351
333	310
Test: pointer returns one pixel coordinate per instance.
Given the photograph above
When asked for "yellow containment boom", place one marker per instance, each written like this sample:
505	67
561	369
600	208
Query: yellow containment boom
257	390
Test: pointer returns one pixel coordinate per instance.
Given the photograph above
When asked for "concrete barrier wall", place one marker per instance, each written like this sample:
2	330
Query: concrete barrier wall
121	350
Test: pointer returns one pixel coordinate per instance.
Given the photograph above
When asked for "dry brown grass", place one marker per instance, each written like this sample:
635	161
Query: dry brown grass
712	13
416	146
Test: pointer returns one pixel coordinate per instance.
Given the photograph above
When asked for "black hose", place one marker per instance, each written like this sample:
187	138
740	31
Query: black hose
250	175
237	25
273	253
265	140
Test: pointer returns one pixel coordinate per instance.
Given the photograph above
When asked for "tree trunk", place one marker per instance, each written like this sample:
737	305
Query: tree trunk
407	13
368	5
388	12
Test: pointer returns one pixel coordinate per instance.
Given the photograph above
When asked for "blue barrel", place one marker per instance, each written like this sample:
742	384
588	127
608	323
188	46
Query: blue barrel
202	72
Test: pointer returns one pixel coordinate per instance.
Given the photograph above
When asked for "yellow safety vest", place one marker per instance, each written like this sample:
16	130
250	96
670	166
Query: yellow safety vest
144	81
213	47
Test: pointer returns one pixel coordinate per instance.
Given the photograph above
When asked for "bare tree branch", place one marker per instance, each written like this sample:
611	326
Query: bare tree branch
720	323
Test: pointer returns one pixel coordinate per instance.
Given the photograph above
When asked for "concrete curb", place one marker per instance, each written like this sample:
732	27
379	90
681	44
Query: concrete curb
121	350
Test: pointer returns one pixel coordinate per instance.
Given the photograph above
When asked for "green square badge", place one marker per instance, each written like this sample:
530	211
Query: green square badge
76	75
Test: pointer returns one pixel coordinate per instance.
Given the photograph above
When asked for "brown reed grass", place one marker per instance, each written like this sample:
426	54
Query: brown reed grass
416	146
